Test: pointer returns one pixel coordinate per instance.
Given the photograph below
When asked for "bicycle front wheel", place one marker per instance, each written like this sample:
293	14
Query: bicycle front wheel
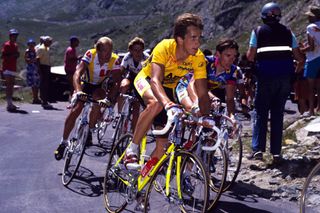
103	125
74	153
114	188
193	185
233	149
216	165
310	195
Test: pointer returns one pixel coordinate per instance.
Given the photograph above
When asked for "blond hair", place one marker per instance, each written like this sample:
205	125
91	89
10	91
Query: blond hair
103	41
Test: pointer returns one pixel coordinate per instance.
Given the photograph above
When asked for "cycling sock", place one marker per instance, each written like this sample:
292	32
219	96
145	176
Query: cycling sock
133	148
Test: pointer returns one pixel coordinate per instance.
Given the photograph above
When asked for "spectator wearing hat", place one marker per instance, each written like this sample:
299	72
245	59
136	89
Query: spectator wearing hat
41	40
312	50
33	79
70	60
9	55
43	59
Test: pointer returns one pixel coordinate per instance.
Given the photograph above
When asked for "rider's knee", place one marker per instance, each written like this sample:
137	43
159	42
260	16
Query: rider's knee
154	106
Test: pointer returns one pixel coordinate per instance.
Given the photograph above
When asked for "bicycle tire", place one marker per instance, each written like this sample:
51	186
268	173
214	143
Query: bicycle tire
195	201
234	159
75	151
110	185
311	189
216	164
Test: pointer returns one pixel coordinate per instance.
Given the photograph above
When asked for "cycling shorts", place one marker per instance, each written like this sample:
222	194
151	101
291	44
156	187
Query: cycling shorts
141	83
90	88
312	68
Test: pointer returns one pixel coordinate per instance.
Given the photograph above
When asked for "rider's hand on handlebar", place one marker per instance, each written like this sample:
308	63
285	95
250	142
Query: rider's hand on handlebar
172	109
75	96
195	110
104	102
207	121
215	103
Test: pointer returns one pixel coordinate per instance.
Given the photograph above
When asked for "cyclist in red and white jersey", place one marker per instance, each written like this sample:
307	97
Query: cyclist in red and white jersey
96	65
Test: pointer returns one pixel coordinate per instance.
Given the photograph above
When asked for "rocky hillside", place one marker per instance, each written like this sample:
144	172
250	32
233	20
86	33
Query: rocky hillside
123	19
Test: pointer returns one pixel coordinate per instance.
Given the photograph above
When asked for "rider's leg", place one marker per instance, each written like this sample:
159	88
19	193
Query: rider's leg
124	87
95	110
153	108
71	119
135	114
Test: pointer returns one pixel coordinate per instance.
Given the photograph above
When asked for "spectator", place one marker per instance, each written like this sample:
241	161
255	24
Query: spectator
273	44
71	59
43	58
312	50
33	79
9	55
41	40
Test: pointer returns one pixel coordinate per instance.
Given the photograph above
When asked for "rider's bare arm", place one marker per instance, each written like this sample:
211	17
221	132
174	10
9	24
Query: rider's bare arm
77	75
157	75
202	93
230	91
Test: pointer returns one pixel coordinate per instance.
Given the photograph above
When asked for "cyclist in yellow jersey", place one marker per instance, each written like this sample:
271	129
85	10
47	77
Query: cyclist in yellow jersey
170	60
96	65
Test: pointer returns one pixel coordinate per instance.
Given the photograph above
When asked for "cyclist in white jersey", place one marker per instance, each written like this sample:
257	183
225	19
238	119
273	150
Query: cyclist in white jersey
131	65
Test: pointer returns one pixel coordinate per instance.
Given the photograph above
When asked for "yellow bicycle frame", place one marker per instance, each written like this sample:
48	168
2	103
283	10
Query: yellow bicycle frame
142	182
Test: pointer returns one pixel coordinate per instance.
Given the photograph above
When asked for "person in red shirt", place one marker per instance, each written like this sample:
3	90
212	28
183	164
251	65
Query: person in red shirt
71	59
9	55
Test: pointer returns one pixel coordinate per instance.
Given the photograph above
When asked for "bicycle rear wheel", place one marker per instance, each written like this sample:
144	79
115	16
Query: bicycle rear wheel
75	152
114	189
310	195
193	184
233	149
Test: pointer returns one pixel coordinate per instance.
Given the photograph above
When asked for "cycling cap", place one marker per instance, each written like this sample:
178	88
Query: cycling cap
31	41
271	13
13	32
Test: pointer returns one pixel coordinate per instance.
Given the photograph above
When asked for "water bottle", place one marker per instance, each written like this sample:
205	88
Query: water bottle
147	168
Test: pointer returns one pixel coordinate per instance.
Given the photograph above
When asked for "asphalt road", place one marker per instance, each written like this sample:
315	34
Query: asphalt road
30	177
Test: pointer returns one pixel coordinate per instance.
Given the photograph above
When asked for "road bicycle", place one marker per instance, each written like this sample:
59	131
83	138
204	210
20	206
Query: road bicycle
102	125
231	143
310	195
177	182
122	122
76	144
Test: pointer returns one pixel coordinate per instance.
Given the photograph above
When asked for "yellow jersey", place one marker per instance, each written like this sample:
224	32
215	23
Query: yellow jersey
165	53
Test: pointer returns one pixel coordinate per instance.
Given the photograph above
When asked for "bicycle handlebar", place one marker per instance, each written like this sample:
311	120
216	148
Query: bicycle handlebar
165	130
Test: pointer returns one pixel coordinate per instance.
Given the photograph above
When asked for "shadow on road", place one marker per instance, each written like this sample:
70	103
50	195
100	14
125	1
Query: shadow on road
86	183
18	111
231	206
97	151
244	193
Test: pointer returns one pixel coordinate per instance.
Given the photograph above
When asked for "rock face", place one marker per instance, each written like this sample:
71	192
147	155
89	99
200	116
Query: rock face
222	18
285	179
